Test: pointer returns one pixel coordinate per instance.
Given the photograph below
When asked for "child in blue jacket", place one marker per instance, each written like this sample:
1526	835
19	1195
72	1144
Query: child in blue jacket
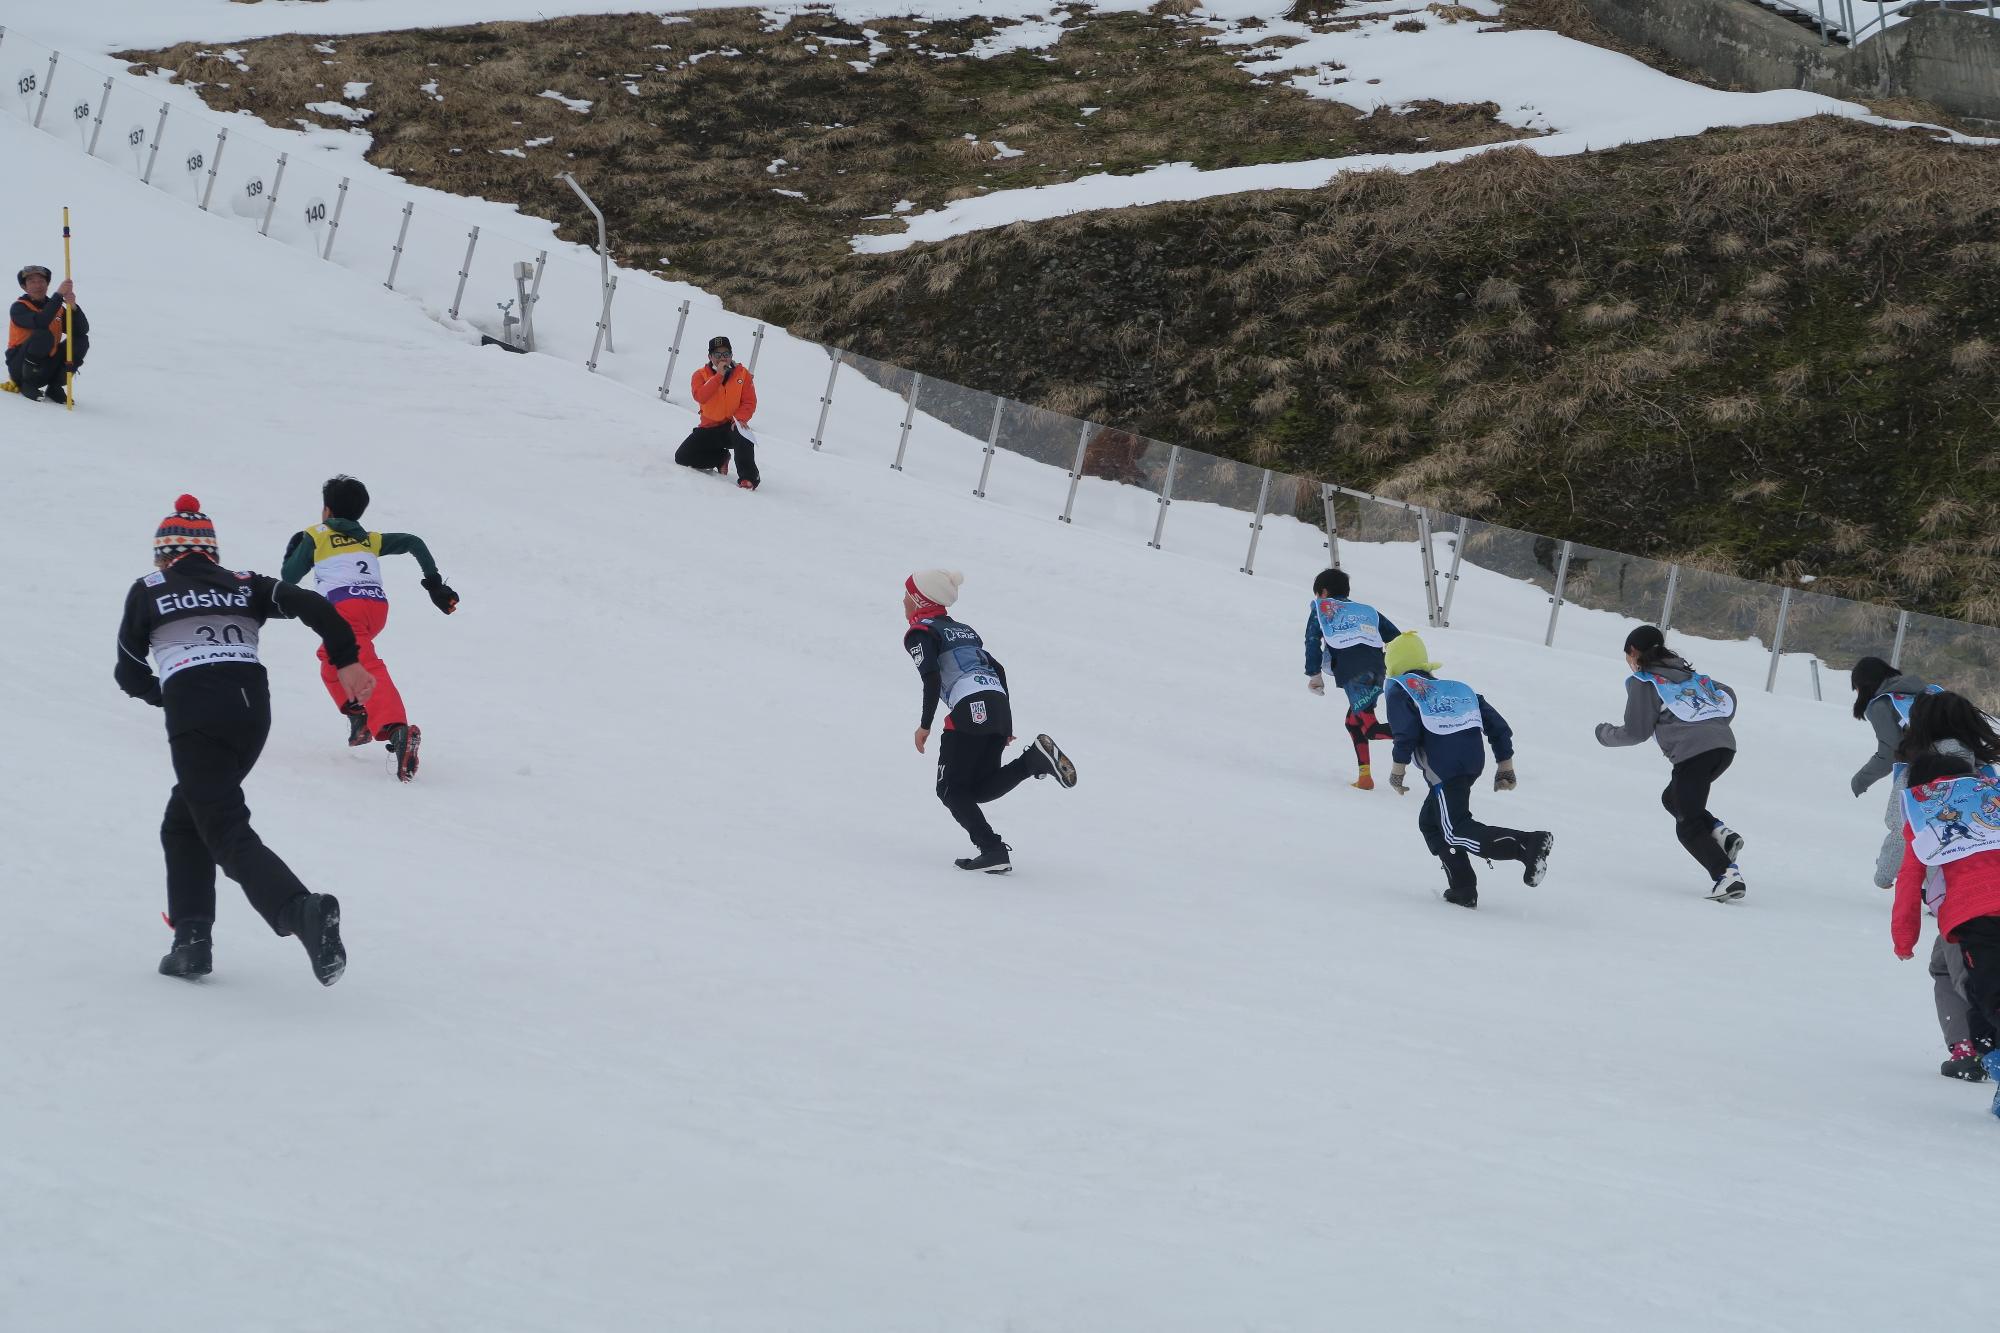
1353	633
1445	727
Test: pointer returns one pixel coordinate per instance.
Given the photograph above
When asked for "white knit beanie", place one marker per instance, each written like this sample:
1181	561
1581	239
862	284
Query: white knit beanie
936	585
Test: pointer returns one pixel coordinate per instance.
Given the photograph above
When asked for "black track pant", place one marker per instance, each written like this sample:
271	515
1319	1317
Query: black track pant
208	825
707	448
31	367
1454	836
970	774
1686	799
1979	941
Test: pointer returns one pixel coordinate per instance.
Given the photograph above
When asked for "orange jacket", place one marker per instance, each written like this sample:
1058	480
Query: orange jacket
734	401
21	323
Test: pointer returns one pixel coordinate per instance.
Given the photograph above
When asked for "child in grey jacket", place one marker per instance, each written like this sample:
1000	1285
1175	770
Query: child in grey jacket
1668	701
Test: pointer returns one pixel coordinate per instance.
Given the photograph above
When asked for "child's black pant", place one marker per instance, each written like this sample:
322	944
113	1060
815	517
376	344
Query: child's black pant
1686	799
1979	941
1454	836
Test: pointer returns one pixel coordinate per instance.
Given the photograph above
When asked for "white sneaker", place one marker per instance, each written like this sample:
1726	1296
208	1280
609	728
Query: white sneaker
1729	887
1729	840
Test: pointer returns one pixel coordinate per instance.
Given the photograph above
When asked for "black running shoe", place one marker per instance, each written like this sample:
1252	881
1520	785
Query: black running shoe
315	919
994	862
191	955
1056	763
404	738
1462	897
1536	863
1967	1068
357	724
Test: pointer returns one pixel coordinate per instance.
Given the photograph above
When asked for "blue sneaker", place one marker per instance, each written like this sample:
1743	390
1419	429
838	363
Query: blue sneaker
1992	1062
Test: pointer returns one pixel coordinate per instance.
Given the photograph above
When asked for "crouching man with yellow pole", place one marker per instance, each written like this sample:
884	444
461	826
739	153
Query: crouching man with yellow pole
48	334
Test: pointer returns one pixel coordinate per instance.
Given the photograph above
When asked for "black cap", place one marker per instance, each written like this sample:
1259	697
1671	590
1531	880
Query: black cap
22	276
719	344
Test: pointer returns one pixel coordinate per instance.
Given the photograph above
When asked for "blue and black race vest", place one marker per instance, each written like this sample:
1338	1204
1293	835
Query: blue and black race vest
964	669
1446	707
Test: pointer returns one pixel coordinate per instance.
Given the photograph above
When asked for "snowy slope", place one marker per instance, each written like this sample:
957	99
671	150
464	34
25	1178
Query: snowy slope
663	1014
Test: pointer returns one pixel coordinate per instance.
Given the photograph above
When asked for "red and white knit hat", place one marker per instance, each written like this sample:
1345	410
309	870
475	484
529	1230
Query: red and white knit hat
186	529
934	587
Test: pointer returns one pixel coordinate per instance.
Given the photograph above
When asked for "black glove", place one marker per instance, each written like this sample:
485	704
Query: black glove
442	597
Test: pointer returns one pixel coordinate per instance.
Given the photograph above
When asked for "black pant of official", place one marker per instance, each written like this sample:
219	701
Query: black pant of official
1454	836
1686	799
707	448
207	825
1979	941
970	774
31	367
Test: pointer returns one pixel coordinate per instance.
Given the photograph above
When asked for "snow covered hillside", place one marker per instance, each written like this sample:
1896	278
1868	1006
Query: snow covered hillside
666	1010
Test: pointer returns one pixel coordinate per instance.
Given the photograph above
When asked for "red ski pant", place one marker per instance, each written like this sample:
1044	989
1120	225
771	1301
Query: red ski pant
385	707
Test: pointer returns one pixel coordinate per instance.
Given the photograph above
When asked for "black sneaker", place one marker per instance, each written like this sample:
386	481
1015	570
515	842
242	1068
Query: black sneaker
1462	897
1536	863
404	738
315	919
1055	763
994	862
58	395
1968	1068
191	955
357	724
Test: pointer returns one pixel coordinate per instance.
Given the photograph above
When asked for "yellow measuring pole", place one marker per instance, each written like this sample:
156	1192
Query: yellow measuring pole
69	333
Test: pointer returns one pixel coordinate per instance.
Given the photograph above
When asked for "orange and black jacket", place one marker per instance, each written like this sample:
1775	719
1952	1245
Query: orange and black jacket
725	398
34	328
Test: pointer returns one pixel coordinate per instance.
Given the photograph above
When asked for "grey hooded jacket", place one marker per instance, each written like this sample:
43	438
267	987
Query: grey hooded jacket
1881	715
1646	717
1890	859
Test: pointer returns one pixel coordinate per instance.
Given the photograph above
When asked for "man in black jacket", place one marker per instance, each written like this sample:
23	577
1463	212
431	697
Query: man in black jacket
38	324
200	624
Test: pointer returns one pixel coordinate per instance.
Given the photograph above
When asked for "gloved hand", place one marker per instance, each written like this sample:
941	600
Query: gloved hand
1604	729
1503	777
1856	785
1317	684
1396	779
442	597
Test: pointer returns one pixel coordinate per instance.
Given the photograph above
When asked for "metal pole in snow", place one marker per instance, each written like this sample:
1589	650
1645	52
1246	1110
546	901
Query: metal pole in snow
1556	601
215	165
756	346
339	203
1451	579
1166	496
271	204
1817	696
826	400
1778	639
1257	523
603	249
603	339
1332	526
1673	585
1430	567
992	437
674	352
97	126
1902	628
1076	471
401	234
909	419
534	299
159	131
48	82
471	244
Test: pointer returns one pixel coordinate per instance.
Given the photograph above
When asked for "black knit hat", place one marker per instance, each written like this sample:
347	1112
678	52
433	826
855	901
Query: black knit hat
1867	678
345	497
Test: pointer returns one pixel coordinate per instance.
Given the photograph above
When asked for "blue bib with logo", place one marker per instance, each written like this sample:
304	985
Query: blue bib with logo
1696	699
1903	702
1348	624
1954	818
1446	707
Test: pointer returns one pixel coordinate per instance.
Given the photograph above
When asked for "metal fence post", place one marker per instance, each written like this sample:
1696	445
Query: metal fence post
401	234
909	419
271	204
534	299
97	126
1902	628
603	250
1332	526
1556	601
1673	586
603	339
1778	639
333	229
992	439
1817	696
1076	471
214	165
756	346
1166	496
471	244
1430	567
48	82
1451	579
674	352
1257	523
153	155
826	400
